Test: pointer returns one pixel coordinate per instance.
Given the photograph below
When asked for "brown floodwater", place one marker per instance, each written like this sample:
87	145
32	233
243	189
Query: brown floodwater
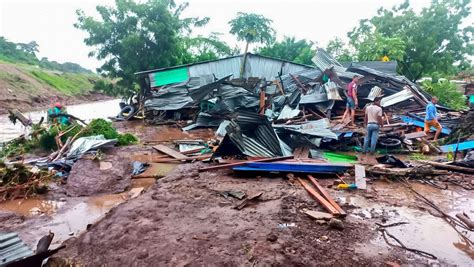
87	112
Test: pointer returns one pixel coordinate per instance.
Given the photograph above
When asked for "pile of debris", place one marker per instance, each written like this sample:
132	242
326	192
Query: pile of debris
288	106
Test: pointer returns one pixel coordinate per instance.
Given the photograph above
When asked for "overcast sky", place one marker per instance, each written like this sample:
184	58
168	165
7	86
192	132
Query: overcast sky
50	22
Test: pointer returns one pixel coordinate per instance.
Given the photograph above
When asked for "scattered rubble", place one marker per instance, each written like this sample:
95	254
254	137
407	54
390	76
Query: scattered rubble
264	168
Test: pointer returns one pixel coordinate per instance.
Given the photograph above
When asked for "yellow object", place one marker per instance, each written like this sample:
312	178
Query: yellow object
385	59
342	186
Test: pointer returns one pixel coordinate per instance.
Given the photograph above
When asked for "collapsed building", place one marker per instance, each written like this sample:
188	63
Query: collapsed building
270	107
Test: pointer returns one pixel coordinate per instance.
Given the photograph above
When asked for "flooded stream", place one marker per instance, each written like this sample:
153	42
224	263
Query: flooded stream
87	112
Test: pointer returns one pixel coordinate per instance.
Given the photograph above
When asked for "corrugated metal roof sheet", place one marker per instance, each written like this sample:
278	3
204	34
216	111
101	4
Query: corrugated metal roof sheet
256	66
12	248
389	67
324	61
401	96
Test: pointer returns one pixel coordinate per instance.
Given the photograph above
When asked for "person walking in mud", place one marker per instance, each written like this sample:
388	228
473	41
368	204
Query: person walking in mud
431	118
372	121
352	101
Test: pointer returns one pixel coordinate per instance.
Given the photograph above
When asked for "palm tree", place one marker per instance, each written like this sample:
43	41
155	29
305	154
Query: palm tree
251	28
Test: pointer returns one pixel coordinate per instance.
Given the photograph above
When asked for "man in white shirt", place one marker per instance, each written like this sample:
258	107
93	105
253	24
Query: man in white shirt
372	121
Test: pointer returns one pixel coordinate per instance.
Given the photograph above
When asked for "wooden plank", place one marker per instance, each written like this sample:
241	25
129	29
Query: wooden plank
169	151
326	195
200	157
301	152
318	197
230	165
415	135
360	177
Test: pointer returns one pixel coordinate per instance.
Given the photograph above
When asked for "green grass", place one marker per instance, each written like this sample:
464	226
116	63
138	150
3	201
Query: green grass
67	83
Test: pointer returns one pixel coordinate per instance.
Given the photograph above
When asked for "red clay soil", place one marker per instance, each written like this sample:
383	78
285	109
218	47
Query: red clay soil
184	220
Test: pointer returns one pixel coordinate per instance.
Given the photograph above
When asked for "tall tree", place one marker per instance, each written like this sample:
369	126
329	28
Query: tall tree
379	48
207	48
434	39
134	36
339	50
251	28
299	51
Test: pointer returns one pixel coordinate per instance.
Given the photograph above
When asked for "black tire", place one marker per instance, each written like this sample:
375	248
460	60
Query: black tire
127	112
390	142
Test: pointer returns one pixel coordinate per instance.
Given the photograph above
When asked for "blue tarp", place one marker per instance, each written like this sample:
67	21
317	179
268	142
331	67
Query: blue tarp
421	124
462	146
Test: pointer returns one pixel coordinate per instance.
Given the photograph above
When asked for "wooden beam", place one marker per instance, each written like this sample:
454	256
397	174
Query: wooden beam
326	195
318	197
262	100
448	167
230	165
169	151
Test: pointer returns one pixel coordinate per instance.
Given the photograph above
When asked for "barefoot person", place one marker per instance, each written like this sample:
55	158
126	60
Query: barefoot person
352	101
431	118
372	121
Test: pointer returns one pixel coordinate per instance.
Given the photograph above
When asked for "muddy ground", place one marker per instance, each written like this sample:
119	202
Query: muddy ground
184	219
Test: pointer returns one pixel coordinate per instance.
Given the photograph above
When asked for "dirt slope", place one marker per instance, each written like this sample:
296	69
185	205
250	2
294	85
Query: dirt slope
19	89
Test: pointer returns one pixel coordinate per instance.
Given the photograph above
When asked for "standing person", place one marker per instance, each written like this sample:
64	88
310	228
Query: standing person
372	121
352	101
431	118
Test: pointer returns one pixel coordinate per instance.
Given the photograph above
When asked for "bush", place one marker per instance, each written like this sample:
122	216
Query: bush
447	93
105	128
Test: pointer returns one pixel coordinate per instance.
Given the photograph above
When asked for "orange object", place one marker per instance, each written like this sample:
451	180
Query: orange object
318	197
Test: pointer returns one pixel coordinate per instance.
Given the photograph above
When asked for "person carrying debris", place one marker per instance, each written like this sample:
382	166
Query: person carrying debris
431	118
372	121
352	101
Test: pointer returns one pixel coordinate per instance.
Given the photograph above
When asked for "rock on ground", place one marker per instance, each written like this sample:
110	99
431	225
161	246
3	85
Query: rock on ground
90	177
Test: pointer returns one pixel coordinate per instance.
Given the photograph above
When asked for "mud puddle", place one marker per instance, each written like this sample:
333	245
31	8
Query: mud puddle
69	216
424	231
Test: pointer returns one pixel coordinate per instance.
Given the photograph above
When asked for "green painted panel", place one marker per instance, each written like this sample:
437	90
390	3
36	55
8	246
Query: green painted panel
169	76
336	158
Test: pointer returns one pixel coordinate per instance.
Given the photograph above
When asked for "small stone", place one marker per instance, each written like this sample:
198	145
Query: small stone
336	223
142	254
321	222
272	237
71	233
324	238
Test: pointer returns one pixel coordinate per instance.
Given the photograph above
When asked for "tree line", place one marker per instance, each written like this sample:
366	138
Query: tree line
26	53
131	37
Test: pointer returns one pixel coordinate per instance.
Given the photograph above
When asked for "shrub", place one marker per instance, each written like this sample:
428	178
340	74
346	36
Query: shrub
447	93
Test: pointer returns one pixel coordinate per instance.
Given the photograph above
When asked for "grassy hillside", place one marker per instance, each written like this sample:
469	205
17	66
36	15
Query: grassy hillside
70	84
28	87
67	83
